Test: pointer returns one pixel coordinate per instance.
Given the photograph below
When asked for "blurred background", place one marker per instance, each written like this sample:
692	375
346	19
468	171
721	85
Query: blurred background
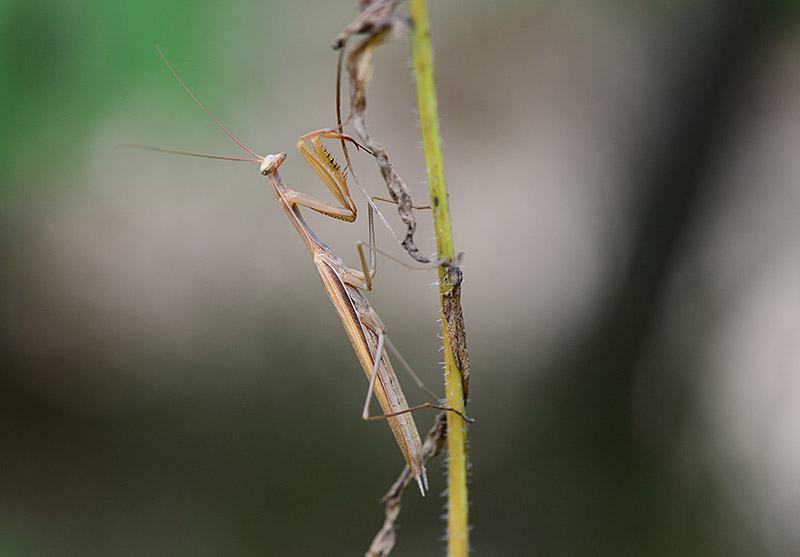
624	184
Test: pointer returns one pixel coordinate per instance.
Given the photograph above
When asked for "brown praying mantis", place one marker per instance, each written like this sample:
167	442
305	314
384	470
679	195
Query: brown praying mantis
343	284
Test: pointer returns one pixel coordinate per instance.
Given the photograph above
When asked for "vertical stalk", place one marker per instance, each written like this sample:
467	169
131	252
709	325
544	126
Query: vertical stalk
458	508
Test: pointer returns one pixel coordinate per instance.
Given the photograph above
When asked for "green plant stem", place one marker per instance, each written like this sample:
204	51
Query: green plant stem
458	507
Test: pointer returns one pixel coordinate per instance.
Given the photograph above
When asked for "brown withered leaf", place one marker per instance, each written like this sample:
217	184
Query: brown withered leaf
380	24
454	316
374	17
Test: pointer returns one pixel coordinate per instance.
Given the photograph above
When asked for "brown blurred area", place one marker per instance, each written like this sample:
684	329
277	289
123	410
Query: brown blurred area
624	182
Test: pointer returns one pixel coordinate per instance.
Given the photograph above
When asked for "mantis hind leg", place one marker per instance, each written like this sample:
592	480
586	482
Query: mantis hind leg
383	341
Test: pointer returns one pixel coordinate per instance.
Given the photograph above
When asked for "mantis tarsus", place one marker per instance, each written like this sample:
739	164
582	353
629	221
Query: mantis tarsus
343	285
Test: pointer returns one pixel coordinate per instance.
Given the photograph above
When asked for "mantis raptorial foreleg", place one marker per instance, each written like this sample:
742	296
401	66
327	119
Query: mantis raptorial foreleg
329	171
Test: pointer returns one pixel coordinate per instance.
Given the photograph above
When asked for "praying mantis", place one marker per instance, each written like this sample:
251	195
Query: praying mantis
343	284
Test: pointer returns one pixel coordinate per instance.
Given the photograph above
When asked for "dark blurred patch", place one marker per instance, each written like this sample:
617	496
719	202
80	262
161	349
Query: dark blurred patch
598	483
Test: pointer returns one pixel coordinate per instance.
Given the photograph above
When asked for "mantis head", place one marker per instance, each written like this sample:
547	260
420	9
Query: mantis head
270	163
